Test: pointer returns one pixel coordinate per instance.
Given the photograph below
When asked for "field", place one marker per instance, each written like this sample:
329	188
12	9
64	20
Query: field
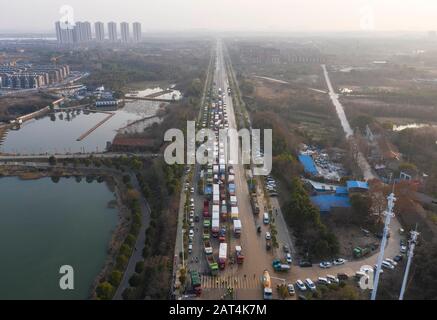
16	105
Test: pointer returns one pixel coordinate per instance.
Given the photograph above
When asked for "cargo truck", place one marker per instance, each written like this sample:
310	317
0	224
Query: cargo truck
224	212
212	264
231	189
278	266
234	213
215	227
207	247
195	283
239	254
233	201
267	286
237	228
206	209
223	255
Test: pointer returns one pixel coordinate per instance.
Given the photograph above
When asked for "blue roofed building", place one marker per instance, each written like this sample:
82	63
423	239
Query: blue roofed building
308	164
357	186
326	203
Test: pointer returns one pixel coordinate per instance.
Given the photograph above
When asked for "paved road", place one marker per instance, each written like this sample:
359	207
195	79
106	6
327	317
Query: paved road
361	160
137	254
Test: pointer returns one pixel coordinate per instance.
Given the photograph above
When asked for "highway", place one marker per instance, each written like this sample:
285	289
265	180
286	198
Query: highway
246	278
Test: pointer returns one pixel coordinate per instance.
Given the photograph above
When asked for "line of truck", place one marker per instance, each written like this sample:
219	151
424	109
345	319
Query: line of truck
220	209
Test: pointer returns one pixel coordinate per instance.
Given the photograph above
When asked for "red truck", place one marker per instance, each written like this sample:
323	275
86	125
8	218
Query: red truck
239	254
206	213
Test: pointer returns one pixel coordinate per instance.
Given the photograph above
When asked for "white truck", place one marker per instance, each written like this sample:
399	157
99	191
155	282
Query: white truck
237	228
223	255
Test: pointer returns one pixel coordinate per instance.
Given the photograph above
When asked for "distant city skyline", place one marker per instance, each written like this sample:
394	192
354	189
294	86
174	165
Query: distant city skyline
81	32
229	15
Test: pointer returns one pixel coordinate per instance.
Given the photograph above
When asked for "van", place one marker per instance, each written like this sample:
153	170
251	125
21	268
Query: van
266	219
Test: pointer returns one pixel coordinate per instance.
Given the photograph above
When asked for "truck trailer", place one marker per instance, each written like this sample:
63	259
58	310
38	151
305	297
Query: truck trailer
223	255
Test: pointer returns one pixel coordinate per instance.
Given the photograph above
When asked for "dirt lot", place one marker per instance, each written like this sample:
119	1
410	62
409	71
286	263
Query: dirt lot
351	237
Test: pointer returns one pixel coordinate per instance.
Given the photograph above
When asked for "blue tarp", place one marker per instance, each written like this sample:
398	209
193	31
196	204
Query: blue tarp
326	202
357	185
308	164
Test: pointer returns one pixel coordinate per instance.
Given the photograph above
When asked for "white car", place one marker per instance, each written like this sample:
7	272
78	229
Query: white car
268	236
323	281
288	258
290	289
300	285
190	248
391	261
339	262
325	265
191	234
403	249
310	284
387	265
332	279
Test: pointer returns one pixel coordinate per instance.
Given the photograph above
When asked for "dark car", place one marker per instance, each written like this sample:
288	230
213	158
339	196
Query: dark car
305	264
302	297
398	258
196	218
342	276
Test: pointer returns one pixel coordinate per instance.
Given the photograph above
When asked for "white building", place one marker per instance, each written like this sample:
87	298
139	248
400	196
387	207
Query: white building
125	32
100	31
137	31
112	31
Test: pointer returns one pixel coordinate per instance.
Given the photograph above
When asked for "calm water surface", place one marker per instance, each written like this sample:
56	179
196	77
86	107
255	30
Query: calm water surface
44	225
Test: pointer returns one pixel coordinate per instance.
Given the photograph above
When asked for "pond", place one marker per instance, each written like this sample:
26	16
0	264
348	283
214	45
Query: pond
58	133
45	225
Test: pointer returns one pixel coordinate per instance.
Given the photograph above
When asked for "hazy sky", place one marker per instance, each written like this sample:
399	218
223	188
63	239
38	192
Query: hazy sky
241	15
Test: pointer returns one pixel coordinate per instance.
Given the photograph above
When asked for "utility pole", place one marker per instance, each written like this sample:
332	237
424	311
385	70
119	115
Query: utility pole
388	215
412	242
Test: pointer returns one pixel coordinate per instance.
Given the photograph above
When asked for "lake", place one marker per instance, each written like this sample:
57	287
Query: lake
58	133
44	225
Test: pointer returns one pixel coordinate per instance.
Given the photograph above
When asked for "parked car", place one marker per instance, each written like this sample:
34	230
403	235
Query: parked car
289	258
332	279
403	249
310	284
339	261
387	265
286	249
305	264
391	261
398	258
325	265
290	289
190	248
300	285
342	276
323	281
268	236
